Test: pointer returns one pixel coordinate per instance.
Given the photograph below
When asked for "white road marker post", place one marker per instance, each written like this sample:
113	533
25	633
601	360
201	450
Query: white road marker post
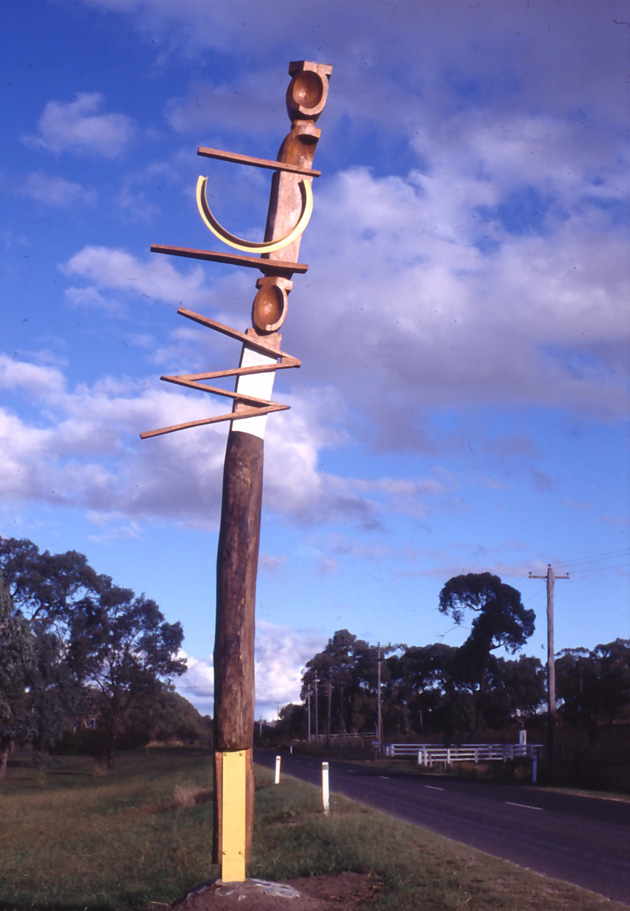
277	778
325	789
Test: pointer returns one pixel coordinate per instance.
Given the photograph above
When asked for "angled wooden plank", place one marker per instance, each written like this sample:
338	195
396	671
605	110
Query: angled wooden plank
266	266
257	162
232	416
238	371
250	340
216	390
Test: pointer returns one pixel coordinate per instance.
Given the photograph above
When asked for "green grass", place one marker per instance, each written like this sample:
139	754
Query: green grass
142	834
419	870
117	841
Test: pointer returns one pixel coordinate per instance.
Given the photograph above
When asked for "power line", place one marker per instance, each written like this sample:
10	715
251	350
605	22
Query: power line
592	558
599	569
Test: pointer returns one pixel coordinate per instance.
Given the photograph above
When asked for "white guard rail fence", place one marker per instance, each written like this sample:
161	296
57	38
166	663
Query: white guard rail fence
472	752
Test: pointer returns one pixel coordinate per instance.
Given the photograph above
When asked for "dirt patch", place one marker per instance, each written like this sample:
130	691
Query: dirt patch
344	892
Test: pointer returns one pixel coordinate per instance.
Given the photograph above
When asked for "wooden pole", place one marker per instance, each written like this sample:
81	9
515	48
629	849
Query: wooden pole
551	665
316	706
550	578
379	723
239	537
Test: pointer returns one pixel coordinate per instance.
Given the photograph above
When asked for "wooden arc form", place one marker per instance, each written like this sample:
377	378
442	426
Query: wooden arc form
239	243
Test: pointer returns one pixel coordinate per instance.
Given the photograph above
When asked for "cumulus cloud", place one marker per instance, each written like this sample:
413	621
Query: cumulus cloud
448	53
81	127
429	318
281	653
57	192
156	278
81	449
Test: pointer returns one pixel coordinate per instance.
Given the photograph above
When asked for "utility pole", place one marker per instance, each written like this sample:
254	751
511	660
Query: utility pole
329	716
289	210
316	706
551	577
379	722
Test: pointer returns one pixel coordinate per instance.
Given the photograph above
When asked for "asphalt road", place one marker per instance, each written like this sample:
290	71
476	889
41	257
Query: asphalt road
581	840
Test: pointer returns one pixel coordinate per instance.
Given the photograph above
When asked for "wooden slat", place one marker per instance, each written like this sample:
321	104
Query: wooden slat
236	371
216	390
267	266
249	340
232	416
256	162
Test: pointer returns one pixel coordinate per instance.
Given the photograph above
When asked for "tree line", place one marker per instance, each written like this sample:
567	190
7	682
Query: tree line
83	659
461	691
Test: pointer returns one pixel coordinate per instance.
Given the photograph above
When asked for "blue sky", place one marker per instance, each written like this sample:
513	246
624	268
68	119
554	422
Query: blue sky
463	400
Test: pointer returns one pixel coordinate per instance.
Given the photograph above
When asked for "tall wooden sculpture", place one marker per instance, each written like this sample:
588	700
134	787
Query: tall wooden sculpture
276	257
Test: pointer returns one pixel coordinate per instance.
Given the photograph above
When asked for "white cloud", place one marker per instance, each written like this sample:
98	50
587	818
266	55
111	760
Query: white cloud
81	127
35	379
426	319
155	278
56	191
91	299
448	52
80	448
281	653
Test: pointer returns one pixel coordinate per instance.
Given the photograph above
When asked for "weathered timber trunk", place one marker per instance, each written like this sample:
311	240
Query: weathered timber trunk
4	760
237	564
236	591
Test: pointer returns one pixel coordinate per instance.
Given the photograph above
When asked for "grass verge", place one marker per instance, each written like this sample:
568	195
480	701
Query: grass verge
140	837
70	839
419	870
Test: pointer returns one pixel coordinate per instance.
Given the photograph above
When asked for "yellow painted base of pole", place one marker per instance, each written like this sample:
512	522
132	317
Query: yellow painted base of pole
234	834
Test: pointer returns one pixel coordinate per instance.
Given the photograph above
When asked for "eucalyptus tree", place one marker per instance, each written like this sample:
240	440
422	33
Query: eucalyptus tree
16	651
420	678
90	640
499	621
337	675
123	651
594	685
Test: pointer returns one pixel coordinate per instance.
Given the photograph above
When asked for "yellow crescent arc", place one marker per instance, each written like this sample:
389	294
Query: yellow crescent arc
239	243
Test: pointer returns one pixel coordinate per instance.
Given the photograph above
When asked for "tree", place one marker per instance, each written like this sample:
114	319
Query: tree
55	696
594	686
577	687
292	723
168	716
44	586
500	621
91	642
420	677
613	660
515	691
123	650
16	650
338	674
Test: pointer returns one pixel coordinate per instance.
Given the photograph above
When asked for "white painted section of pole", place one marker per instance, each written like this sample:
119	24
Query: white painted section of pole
325	788
277	777
259	385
